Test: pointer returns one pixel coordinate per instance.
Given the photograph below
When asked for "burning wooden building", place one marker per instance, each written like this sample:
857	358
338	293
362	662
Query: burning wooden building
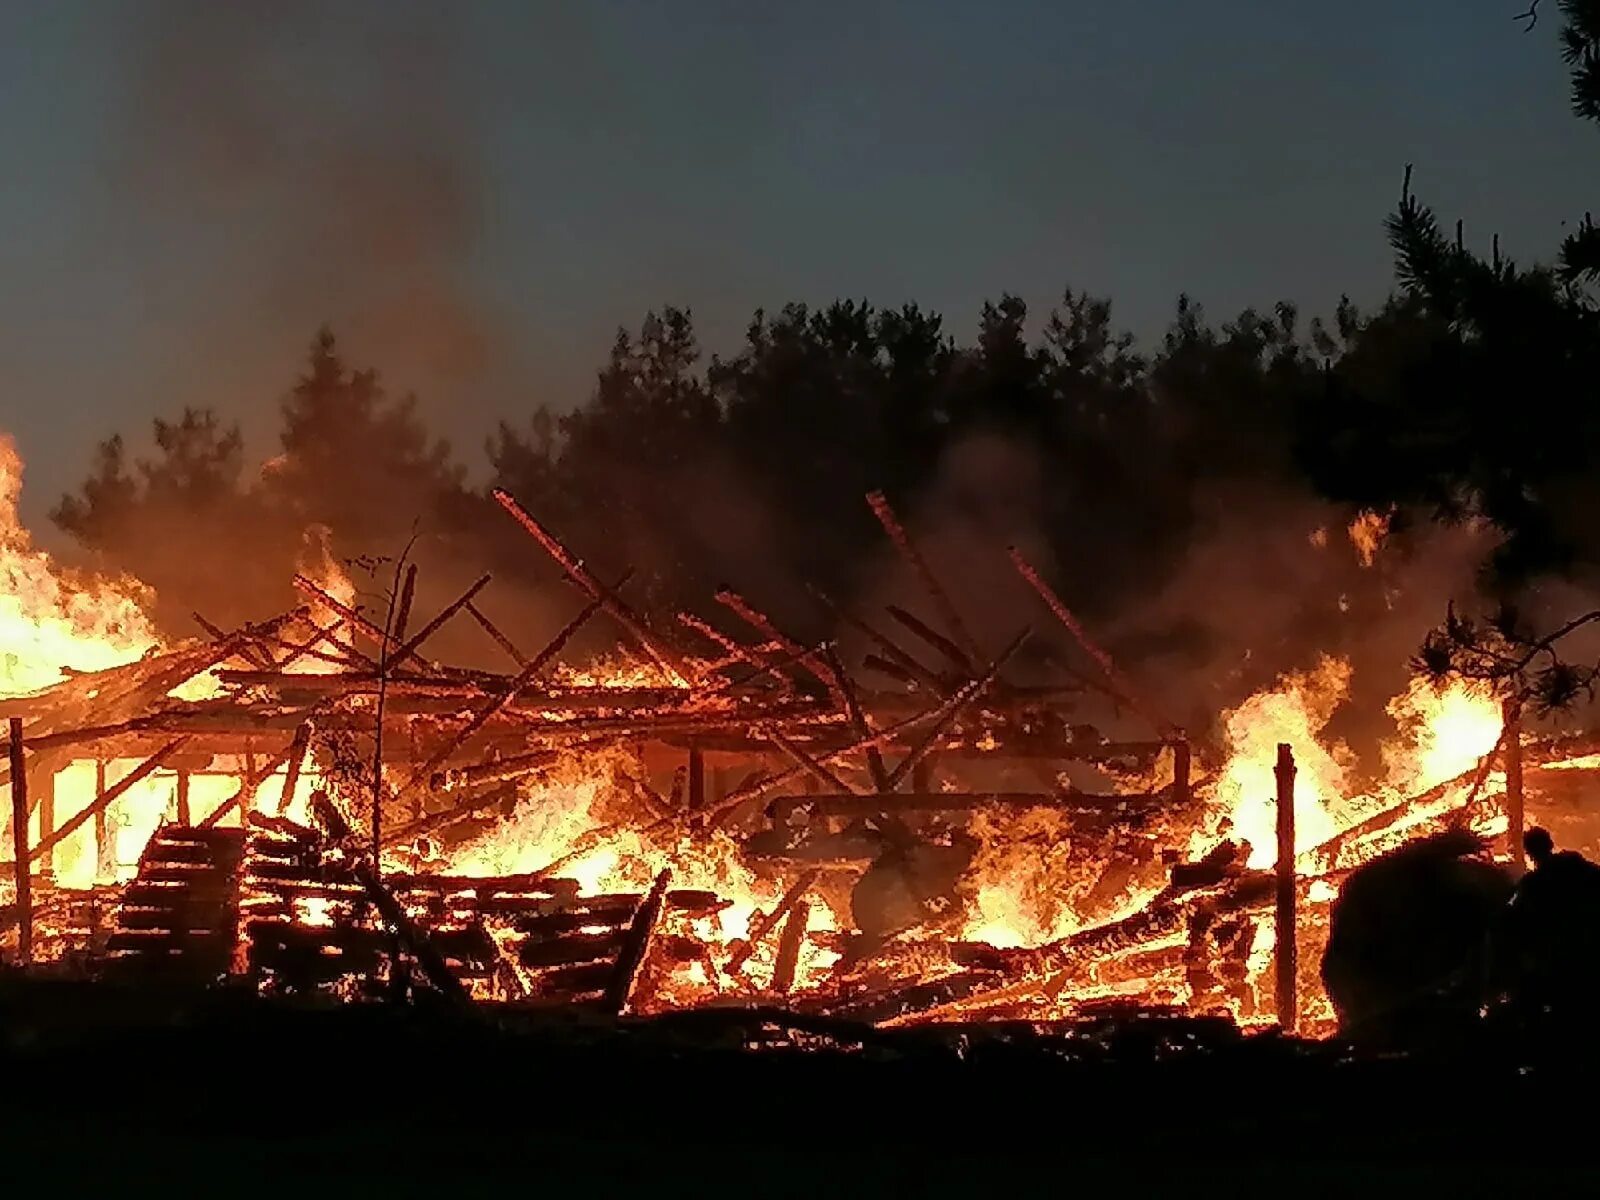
719	814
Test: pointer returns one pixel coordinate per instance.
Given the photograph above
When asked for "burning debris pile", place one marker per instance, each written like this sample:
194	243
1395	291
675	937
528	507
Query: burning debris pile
314	804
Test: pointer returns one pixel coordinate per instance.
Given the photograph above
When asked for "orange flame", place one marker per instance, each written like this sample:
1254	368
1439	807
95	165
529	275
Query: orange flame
51	619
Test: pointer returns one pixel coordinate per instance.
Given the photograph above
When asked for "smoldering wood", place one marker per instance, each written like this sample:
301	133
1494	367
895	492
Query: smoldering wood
763	624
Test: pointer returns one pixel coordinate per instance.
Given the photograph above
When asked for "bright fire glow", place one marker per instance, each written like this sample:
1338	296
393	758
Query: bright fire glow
51	618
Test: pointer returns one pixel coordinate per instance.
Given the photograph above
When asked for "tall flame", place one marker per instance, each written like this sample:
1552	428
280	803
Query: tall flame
50	618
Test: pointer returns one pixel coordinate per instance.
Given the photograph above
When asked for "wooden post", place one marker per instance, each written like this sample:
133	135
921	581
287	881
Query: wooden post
1514	809
789	944
1286	990
44	783
105	866
183	797
1182	756
19	843
697	779
922	776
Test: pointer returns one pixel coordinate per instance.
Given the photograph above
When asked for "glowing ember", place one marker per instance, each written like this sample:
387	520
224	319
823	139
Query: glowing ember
1367	533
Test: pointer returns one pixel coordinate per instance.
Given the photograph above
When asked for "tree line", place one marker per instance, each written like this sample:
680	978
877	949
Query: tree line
1473	392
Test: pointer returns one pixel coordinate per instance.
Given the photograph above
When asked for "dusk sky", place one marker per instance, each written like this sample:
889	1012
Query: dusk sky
476	195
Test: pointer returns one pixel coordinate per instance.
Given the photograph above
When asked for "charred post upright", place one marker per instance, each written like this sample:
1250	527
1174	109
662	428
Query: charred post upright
19	842
1513	762
1286	990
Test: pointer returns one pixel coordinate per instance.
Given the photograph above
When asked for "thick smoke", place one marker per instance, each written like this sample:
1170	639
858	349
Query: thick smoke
322	160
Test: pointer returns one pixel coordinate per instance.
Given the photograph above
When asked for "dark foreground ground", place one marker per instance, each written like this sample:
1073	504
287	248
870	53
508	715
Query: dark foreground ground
124	1092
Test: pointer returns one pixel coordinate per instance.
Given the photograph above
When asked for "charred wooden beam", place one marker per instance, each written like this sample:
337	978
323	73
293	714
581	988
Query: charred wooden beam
636	945
763	624
411	937
850	804
1120	687
858	718
1512	737
413	644
952	708
811	765
607	597
19	842
498	637
956	656
764	784
1285	957
879	504
891	650
108	797
298	749
356	621
402	612
790	943
766	924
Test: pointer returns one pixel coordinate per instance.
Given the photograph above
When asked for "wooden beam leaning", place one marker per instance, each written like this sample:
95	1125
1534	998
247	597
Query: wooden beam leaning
858	718
957	657
19	842
253	779
499	638
801	759
769	922
892	652
1516	820
951	708
296	760
356	621
402	612
579	574
762	624
1121	689
109	797
636	945
761	785
412	644
484	714
879	504
790	943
